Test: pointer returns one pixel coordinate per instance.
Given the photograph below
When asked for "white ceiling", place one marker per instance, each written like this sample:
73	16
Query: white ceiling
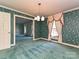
48	7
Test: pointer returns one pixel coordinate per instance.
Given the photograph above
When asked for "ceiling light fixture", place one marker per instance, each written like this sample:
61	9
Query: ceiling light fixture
39	18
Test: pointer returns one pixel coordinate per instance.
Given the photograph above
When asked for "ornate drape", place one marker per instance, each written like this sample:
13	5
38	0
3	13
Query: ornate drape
58	18
49	21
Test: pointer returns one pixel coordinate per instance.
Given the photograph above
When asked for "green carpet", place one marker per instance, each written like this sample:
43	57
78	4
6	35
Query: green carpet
28	49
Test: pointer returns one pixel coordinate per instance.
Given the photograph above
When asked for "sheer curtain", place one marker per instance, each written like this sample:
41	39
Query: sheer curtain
54	33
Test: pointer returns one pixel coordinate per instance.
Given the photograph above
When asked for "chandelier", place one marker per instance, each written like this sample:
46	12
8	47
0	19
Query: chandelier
39	18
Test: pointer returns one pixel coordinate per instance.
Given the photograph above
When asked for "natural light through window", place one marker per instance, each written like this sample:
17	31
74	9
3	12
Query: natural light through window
54	31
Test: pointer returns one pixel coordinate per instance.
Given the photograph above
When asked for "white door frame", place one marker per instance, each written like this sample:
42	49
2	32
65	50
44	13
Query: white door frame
15	27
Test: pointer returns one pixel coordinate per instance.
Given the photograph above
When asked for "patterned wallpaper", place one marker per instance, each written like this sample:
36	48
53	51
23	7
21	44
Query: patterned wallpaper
41	29
71	28
37	29
44	29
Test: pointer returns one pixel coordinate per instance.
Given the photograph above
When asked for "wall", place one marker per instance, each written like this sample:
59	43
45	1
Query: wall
29	29
37	29
2	9
44	29
71	28
41	29
19	28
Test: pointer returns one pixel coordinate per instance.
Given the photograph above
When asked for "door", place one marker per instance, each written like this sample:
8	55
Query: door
4	30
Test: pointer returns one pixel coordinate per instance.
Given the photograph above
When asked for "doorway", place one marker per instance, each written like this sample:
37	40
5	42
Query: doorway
23	29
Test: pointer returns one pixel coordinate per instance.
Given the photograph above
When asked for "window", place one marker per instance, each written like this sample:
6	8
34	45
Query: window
54	32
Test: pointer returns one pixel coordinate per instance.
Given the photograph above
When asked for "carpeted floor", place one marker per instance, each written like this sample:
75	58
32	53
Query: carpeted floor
28	49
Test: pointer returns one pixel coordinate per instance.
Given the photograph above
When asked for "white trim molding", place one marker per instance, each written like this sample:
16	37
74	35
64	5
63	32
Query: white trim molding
71	10
24	17
70	45
33	15
33	31
27	18
36	39
16	10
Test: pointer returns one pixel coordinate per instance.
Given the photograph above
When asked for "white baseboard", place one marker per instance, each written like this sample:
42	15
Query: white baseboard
75	46
43	38
12	45
36	39
71	45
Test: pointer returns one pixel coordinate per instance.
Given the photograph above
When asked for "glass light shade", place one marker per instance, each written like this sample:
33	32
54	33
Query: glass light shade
38	18
42	18
35	18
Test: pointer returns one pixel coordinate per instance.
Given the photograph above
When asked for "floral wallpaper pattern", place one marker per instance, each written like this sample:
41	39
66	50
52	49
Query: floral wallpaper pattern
41	29
71	28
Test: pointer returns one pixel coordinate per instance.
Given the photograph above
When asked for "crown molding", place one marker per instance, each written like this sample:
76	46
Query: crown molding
16	10
33	15
71	9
